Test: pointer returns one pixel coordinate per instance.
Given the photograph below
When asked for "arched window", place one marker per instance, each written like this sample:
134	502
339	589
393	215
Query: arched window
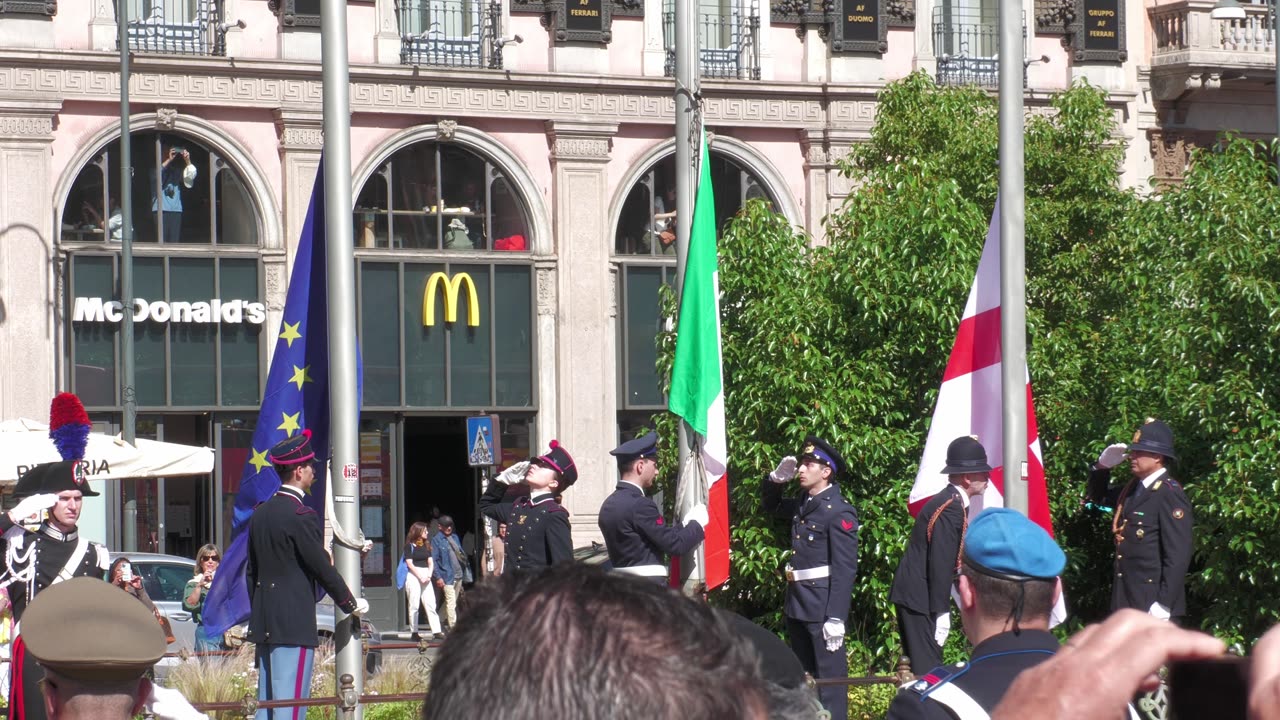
438	196
644	246
183	193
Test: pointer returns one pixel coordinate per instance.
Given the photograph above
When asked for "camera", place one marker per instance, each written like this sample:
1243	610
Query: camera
1217	688
126	572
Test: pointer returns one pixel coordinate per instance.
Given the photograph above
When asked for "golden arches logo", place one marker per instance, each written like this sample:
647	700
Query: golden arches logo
451	290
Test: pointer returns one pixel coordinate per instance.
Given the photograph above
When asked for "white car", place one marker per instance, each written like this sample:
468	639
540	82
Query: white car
165	577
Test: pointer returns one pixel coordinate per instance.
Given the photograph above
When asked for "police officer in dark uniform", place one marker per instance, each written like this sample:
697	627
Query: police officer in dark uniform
538	533
1151	525
1007	587
921	591
36	560
287	560
824	563
634	532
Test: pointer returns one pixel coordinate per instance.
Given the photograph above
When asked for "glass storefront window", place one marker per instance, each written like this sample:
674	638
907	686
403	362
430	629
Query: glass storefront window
375	502
182	193
439	196
197	330
482	359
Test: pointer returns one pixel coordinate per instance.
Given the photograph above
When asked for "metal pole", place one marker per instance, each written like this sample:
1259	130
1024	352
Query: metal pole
1013	315
128	394
688	83
343	401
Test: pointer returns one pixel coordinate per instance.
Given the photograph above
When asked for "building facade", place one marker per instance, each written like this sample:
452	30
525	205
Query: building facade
523	150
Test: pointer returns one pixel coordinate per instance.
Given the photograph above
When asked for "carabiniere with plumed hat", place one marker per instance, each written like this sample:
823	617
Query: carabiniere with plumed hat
53	494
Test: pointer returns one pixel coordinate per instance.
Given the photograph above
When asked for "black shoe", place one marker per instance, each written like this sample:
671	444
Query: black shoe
416	637
438	636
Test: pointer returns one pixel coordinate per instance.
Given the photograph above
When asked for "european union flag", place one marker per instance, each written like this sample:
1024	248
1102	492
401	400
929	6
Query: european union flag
296	397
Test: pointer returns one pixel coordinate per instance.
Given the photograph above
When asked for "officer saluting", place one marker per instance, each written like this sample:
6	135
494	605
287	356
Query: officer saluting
1006	590
1152	523
538	533
634	531
824	563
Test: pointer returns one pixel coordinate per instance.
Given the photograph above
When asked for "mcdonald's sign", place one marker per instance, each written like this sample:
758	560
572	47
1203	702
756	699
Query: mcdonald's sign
451	290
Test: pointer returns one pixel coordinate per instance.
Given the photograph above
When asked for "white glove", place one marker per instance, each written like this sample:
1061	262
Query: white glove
1112	456
362	607
1158	611
785	470
366	547
514	475
32	505
833	633
697	514
168	704
942	628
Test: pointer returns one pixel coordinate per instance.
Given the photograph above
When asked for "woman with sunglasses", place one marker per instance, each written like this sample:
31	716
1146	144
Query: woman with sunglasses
207	560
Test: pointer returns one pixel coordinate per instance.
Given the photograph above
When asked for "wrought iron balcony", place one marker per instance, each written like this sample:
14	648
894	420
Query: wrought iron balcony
453	33
1190	50
176	27
730	40
966	41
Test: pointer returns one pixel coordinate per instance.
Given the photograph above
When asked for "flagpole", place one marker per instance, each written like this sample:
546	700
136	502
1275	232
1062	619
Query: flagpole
1013	320
688	146
128	393
340	263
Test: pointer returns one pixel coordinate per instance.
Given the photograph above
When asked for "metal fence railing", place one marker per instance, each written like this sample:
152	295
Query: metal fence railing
454	33
176	27
966	41
729	40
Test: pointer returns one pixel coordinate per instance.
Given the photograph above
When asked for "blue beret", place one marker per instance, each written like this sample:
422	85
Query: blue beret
641	447
1006	544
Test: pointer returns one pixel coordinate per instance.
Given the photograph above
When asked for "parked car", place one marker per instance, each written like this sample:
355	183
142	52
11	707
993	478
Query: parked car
165	578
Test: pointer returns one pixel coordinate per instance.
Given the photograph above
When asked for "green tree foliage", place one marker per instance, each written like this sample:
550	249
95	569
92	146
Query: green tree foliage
1164	306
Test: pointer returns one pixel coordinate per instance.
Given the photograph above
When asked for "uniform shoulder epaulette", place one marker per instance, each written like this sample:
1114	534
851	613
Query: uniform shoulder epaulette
557	507
304	510
940	675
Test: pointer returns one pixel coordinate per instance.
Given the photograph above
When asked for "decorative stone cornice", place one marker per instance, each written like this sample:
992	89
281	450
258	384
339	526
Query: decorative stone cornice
299	129
578	141
27	118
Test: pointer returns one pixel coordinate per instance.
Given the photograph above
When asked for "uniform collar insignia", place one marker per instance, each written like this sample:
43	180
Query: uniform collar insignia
53	532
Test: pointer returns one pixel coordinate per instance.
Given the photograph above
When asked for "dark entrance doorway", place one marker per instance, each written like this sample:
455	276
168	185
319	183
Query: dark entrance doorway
436	474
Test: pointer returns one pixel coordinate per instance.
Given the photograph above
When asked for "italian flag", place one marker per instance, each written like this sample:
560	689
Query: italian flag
697	384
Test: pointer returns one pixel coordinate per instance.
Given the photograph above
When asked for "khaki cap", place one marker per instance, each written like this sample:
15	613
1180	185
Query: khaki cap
86	629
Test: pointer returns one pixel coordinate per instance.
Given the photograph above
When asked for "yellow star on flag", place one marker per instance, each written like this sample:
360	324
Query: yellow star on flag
301	375
291	333
259	460
290	424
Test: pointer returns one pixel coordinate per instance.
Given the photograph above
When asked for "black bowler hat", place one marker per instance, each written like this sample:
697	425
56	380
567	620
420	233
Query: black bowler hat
1154	437
815	448
641	447
966	455
54	477
292	450
558	459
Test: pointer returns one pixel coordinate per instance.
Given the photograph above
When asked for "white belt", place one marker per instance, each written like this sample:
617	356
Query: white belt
644	570
808	573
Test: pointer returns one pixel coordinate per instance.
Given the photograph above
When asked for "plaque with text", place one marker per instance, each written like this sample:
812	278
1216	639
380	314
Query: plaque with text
859	26
584	21
1099	31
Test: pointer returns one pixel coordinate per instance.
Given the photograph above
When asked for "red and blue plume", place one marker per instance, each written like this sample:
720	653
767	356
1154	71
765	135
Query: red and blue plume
69	426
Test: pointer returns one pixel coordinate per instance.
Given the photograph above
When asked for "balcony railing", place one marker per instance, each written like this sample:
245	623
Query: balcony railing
177	27
967	44
1184	34
453	33
729	40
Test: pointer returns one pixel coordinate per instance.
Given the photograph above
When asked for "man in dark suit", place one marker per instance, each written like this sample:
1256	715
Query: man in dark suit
286	560
634	532
921	591
1006	589
824	563
538	533
1151	525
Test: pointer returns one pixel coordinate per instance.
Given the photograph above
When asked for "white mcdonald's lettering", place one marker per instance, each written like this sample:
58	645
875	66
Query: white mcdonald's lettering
451	290
233	312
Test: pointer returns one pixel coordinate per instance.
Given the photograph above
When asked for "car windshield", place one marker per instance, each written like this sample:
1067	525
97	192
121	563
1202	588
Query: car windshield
164	582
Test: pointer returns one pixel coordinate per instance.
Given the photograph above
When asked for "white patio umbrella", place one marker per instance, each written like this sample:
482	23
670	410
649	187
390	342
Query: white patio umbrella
25	443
